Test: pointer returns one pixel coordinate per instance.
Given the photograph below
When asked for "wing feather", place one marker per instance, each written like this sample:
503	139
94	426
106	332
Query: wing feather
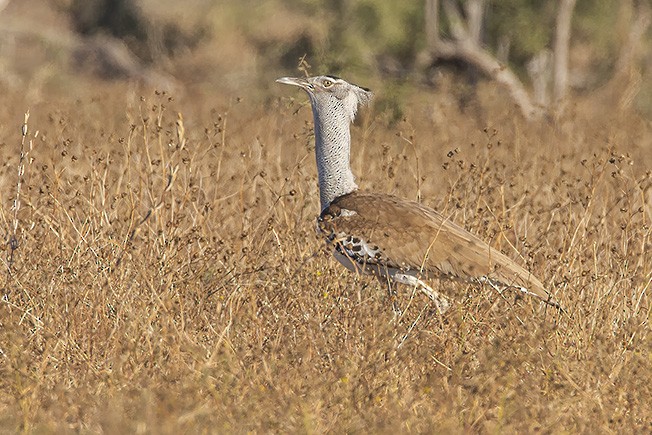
416	237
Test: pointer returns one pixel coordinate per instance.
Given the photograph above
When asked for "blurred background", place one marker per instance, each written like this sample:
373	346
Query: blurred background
161	269
540	53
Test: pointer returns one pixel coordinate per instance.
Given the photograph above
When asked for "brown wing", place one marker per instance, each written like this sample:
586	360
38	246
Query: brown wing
415	237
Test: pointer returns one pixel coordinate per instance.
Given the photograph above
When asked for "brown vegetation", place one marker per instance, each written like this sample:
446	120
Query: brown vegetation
165	275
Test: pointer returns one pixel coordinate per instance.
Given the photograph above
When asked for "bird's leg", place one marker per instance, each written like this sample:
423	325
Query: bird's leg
440	301
391	292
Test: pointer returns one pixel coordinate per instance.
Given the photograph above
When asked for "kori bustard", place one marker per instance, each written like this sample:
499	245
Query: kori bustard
392	238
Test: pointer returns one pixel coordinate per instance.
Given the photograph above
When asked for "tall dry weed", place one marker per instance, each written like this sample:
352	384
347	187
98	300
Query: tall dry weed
168	277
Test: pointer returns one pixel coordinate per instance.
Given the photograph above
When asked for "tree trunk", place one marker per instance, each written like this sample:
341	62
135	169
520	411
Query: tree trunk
539	70
475	17
432	23
560	51
640	19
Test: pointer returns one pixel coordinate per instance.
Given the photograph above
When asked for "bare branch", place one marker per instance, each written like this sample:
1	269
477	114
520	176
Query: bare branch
465	45
488	64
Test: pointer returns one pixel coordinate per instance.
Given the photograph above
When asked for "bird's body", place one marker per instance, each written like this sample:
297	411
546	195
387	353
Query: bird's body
387	236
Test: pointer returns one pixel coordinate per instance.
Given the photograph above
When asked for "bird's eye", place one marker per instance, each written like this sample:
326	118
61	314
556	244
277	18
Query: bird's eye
327	83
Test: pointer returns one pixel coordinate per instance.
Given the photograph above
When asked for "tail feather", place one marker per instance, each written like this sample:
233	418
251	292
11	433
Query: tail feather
539	291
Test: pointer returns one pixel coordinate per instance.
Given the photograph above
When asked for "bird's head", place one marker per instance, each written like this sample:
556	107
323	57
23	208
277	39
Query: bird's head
330	93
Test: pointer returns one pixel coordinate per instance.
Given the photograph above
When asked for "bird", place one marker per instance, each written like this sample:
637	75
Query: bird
395	239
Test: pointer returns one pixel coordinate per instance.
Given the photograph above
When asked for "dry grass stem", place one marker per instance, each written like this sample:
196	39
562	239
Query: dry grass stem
168	277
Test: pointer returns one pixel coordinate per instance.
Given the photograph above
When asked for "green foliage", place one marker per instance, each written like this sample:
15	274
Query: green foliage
390	102
527	24
129	21
390	27
596	25
359	31
356	36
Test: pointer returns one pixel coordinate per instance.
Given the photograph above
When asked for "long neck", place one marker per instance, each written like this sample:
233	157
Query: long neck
332	149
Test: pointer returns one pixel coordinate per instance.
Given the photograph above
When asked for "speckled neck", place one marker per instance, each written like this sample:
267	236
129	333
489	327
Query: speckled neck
332	148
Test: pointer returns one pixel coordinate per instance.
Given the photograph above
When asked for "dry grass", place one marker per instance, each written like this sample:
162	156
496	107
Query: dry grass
167	276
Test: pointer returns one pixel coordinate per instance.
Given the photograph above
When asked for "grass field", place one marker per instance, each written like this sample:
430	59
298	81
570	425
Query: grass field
166	275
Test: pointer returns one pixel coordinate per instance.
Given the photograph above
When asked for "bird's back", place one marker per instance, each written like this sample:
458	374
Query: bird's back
410	236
